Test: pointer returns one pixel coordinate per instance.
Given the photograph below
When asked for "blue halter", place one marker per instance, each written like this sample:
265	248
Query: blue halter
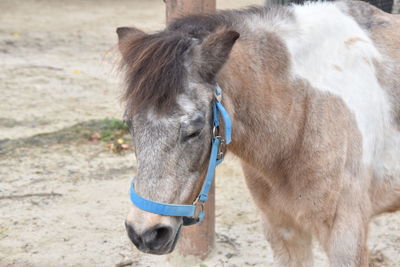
193	214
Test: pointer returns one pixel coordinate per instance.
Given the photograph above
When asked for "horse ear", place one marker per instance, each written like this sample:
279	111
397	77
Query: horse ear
123	35
214	52
124	32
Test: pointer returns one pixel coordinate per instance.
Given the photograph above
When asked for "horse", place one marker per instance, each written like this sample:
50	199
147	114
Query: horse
386	5
313	93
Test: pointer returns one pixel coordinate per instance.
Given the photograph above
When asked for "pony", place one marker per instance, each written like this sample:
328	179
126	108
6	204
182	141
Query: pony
313	92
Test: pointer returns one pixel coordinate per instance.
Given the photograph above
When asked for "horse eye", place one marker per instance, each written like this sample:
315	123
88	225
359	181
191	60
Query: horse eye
192	129
192	135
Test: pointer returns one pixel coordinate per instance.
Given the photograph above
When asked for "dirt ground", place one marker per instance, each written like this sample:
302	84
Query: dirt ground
57	68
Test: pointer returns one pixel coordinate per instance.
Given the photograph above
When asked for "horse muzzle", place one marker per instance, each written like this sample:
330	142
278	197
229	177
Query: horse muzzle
158	239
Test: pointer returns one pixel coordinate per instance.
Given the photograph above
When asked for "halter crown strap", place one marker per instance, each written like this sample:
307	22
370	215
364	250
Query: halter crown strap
194	213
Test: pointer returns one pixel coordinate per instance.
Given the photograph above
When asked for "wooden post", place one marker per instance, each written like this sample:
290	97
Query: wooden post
197	240
177	8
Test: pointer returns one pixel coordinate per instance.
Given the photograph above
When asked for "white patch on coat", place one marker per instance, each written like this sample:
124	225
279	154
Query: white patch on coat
323	37
330	50
273	21
186	104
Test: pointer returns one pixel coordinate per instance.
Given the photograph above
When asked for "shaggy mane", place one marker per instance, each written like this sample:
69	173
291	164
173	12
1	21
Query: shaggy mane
155	71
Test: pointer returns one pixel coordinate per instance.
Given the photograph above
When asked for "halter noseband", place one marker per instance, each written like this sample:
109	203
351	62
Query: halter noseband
193	214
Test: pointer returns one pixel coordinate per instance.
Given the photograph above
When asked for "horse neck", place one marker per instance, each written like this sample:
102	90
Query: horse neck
267	106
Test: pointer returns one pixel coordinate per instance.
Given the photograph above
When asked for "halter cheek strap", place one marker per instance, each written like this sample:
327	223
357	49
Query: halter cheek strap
193	214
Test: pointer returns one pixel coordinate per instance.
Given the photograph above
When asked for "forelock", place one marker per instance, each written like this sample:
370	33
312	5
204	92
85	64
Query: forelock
155	72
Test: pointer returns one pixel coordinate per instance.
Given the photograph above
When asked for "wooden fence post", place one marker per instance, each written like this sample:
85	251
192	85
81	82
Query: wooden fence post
176	8
197	240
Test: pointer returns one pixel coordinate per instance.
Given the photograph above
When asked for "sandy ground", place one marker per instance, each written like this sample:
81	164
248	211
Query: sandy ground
57	68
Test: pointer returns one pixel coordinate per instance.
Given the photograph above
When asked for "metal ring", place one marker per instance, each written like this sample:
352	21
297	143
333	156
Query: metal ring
215	132
197	211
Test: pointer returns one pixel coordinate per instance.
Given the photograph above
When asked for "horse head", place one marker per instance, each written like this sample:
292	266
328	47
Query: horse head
170	83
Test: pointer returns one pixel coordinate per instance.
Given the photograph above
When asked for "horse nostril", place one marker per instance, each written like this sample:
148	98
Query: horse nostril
133	236
157	236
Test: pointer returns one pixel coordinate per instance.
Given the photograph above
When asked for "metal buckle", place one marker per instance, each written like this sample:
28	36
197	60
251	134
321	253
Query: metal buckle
218	97
215	132
199	207
221	148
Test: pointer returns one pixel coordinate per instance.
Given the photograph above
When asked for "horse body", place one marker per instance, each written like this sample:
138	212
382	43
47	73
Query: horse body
314	94
337	164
